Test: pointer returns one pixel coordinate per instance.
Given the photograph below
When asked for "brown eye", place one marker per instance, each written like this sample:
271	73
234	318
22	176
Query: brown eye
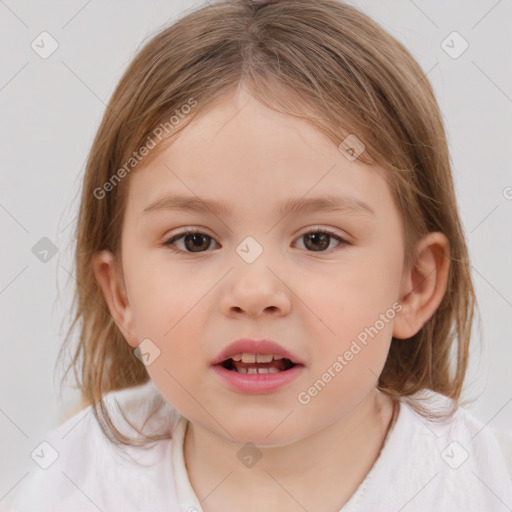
193	241
319	240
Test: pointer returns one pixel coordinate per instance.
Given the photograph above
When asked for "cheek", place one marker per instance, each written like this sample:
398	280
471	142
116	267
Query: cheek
371	284
344	299
160	295
342	376
167	309
355	321
176	328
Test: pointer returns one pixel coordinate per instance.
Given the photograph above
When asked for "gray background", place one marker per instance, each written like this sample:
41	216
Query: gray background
50	109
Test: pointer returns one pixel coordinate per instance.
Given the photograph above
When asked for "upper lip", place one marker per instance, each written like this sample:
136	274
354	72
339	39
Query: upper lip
250	346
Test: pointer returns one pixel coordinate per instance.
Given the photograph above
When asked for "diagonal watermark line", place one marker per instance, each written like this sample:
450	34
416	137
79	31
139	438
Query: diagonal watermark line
76	14
485	15
416	415
13	13
192	307
421	490
286	491
302	197
202	499
88	497
14	76
504	298
508	506
77	423
199	403
13	279
5	495
235	114
492	211
423	77
14	423
492	81
484	426
83	83
280	423
420	419
213	213
119	326
301	300
68	224
14	218
424	14
79	284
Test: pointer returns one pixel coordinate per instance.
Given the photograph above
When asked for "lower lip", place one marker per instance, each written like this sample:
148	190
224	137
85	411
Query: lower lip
257	382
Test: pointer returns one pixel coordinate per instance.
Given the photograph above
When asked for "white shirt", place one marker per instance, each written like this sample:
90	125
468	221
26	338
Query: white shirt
423	466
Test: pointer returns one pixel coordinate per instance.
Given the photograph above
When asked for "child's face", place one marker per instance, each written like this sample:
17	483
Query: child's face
314	303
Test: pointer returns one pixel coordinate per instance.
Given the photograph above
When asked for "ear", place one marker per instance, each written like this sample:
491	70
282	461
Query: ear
423	286
110	280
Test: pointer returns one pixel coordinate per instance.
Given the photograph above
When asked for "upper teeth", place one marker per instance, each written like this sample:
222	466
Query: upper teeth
255	358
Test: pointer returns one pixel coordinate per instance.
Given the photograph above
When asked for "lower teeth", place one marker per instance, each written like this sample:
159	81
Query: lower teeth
256	370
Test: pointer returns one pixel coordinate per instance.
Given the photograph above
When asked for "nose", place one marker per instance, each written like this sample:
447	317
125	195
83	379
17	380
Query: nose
254	289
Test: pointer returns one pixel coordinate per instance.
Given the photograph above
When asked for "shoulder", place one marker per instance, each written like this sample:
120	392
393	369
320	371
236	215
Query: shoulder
462	436
453	463
77	468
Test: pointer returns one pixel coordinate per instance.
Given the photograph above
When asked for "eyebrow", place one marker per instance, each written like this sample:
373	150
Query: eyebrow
326	203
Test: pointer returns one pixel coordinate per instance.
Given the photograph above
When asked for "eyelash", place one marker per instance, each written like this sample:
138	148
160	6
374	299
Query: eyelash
168	243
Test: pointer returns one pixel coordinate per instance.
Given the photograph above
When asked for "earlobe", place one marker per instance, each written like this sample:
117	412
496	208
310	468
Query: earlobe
425	285
108	277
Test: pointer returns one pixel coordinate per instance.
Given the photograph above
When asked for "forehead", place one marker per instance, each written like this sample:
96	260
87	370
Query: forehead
241	153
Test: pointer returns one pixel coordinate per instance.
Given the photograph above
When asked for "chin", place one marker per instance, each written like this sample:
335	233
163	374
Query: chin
265	432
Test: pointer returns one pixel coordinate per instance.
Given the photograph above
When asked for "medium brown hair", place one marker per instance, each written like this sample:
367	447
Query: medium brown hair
318	60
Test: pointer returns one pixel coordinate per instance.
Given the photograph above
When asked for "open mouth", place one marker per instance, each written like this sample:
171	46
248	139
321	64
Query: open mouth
257	364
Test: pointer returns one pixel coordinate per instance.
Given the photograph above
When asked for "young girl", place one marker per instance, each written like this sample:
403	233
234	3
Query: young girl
274	300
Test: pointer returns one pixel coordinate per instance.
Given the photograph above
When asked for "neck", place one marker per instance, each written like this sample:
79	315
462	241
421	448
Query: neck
320	472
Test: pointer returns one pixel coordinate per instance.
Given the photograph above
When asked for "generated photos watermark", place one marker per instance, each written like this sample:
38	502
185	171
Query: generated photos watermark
162	130
342	360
